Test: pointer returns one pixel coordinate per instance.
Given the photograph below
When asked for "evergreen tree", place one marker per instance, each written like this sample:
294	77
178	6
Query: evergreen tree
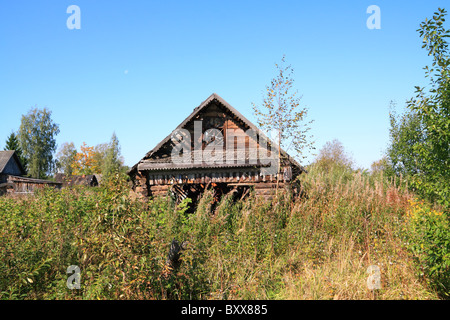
12	143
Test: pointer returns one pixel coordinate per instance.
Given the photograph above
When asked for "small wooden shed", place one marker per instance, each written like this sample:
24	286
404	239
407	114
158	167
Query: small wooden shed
12	178
214	147
89	180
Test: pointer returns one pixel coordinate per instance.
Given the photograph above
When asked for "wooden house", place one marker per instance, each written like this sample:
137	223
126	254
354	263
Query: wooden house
214	147
12	179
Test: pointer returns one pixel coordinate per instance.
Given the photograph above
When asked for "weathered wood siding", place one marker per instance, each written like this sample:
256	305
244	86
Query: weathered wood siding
244	158
23	185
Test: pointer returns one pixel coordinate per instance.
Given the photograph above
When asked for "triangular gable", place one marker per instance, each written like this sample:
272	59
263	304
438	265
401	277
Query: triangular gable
8	156
205	104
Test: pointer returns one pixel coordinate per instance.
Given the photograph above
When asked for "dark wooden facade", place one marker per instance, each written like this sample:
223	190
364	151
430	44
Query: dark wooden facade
242	162
10	165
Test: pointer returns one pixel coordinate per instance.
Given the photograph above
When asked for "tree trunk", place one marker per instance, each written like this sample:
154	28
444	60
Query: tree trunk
279	161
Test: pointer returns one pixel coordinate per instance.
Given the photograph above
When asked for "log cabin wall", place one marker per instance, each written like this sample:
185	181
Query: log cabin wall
159	183
140	183
157	173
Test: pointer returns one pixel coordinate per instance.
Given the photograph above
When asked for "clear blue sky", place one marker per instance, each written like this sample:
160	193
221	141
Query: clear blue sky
140	67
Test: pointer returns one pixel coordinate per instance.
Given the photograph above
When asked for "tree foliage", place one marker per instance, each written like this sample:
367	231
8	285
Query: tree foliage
280	112
37	140
85	162
113	161
333	153
406	132
12	143
99	155
65	158
104	158
421	138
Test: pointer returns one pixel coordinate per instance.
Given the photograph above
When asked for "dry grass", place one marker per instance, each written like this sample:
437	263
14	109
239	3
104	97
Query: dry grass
349	222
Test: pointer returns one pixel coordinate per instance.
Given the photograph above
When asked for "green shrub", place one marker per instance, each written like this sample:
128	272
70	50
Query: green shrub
429	240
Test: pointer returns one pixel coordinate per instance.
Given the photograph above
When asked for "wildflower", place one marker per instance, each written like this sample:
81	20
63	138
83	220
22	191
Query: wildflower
438	213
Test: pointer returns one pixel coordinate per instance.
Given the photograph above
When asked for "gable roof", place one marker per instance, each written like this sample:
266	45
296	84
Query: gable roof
214	98
5	157
85	180
32	180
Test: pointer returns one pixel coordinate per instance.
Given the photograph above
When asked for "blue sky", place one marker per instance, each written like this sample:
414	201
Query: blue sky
140	67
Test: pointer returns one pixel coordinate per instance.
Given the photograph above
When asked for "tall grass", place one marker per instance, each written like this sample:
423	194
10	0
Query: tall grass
316	247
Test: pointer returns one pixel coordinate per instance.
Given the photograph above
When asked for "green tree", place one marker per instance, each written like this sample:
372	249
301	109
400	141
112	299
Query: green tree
99	155
37	140
406	132
65	158
112	162
12	143
422	137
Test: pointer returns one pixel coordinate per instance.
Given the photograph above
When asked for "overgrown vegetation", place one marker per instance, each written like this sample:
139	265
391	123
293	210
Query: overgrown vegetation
420	138
419	152
317	247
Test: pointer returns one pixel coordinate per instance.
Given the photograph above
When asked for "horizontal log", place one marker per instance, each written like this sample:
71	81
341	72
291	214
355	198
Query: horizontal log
159	188
268	185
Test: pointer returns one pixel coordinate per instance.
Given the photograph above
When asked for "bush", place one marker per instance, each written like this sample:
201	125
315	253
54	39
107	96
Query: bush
429	240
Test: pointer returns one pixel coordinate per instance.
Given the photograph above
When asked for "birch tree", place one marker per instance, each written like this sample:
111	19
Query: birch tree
37	140
280	112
